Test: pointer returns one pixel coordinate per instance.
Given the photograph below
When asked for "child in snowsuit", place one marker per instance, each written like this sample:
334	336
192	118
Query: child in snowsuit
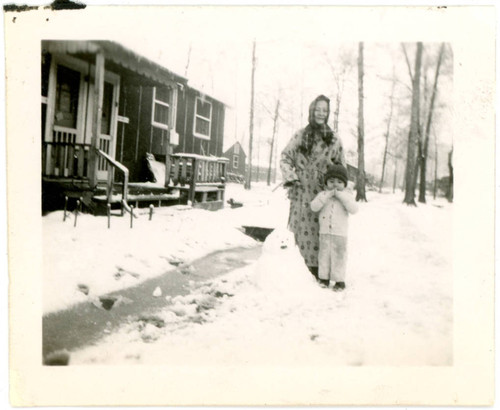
334	205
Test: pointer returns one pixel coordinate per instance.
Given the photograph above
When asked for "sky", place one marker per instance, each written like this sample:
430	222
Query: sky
296	71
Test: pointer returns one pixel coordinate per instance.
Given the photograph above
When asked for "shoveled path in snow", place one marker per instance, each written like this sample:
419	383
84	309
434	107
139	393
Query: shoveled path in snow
87	322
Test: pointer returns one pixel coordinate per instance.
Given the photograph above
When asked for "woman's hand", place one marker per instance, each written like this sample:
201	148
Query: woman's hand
295	183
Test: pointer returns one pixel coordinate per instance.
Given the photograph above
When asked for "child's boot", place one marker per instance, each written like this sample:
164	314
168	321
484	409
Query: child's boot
324	282
339	286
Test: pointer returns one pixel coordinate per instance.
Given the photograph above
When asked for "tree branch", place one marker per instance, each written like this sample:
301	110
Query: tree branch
407	61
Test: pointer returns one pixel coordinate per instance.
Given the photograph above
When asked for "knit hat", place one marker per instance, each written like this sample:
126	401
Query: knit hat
336	171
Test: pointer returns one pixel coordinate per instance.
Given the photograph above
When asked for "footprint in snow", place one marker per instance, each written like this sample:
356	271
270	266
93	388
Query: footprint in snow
187	269
110	302
83	288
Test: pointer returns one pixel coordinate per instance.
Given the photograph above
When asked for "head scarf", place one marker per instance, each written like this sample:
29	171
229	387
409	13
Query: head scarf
314	129
312	107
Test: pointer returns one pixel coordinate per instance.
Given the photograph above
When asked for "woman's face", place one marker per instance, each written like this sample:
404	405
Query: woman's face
320	112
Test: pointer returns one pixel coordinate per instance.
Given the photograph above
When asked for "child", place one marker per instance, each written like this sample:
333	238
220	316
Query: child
334	206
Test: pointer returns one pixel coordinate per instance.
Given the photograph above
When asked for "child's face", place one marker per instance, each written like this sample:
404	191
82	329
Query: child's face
335	183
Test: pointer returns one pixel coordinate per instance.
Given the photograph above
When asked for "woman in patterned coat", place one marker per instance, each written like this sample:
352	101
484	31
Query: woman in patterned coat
303	163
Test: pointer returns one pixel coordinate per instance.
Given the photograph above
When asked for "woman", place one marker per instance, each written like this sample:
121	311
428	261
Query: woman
304	162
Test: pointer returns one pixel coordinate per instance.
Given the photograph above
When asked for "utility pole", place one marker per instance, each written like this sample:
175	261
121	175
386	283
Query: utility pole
250	144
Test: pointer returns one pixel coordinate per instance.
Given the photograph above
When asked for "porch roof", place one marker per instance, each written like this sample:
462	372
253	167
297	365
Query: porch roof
118	54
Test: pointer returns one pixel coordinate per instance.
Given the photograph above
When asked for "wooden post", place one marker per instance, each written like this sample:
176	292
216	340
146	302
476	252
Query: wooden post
65	207
176	162
110	184
183	177
76	211
168	165
49	118
151	208
131	216
96	117
194	179
223	180
109	215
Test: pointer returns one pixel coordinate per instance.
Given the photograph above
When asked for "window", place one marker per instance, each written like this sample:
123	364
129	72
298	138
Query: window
161	107
107	108
202	118
235	161
67	94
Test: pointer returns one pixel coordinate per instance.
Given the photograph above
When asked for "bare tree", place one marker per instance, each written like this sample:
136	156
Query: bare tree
188	60
449	194
248	185
411	158
360	180
435	164
275	128
340	70
423	163
387	132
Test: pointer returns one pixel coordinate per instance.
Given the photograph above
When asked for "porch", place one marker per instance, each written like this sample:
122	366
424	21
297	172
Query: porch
193	179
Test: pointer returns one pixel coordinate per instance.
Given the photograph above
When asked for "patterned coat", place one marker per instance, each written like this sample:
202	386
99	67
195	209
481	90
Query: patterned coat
309	169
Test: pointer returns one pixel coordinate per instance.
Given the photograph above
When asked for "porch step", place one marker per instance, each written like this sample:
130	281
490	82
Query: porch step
137	198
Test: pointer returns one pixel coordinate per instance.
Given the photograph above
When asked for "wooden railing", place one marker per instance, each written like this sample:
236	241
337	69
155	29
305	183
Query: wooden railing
191	171
65	159
112	166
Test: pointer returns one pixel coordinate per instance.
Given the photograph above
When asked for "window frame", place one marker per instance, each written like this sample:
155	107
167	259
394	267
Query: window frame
163	103
196	116
236	161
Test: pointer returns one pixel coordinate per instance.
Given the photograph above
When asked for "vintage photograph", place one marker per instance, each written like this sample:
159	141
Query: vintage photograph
234	227
216	194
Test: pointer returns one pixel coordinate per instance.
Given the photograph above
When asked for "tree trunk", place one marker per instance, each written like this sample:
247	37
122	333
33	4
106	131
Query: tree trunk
423	165
417	163
275	124
395	177
435	166
336	114
387	136
411	158
250	143
259	136
360	180
449	194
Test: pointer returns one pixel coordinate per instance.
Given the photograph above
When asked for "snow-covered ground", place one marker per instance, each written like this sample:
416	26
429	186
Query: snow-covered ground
397	310
105	260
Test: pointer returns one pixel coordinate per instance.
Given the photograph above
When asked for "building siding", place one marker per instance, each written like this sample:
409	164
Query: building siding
139	136
229	154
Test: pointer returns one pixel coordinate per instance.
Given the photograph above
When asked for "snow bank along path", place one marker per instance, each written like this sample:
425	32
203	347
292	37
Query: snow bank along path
98	260
87	322
397	309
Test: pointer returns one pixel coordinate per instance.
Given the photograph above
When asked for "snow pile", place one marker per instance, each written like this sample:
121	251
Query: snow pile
397	309
281	268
